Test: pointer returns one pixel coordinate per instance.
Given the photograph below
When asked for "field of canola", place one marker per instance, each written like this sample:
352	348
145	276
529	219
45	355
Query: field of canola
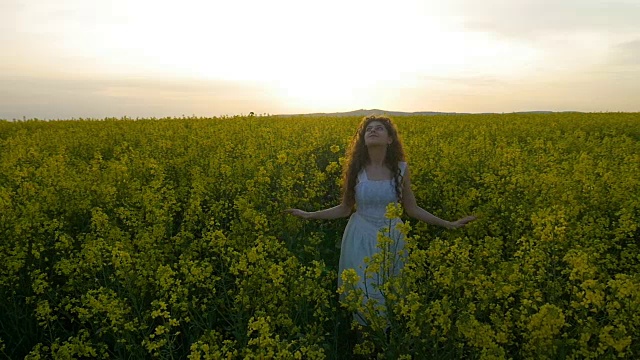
165	238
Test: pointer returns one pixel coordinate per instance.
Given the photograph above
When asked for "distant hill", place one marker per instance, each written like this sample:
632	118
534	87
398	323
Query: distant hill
367	112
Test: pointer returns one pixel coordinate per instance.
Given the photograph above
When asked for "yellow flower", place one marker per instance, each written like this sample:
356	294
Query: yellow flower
282	158
394	211
333	166
404	228
350	276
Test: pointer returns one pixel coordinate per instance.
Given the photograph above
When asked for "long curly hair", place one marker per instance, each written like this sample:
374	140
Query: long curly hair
358	158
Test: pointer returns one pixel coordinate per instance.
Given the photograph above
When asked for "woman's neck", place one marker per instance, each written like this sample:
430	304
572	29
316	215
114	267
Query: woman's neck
377	155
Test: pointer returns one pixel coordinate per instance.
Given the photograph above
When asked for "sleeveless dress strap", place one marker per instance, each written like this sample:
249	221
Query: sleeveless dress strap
362	176
403	167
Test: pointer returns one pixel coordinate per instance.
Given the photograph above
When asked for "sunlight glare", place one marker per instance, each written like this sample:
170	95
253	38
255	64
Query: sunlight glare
332	54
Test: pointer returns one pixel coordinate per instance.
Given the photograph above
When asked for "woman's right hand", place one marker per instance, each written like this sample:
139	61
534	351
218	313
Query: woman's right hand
299	213
462	222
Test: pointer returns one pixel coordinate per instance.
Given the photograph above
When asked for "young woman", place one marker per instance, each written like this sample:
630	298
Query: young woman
376	174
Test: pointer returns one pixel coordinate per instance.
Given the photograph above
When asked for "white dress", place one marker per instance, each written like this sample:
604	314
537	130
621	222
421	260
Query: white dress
361	233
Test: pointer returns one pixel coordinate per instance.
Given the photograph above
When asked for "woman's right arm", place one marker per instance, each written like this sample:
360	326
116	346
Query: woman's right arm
342	210
335	212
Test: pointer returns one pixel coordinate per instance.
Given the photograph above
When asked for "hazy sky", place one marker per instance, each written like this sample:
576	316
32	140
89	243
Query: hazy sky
84	58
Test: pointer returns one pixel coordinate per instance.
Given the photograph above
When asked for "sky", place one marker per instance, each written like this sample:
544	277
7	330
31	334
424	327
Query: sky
152	58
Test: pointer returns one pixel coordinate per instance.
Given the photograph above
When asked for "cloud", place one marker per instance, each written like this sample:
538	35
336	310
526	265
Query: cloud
58	98
599	89
625	54
464	80
532	19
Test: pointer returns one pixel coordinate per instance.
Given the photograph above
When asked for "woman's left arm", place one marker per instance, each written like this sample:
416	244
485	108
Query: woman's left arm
418	213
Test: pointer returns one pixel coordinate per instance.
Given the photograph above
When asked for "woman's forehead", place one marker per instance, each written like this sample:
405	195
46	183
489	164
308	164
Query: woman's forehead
375	123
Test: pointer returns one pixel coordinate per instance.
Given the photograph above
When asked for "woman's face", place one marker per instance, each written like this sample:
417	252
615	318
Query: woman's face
375	133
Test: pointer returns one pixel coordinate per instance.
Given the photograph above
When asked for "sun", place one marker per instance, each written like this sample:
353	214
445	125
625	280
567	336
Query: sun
323	90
